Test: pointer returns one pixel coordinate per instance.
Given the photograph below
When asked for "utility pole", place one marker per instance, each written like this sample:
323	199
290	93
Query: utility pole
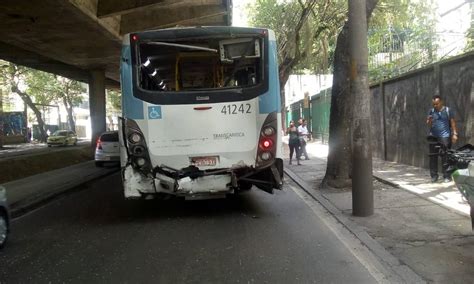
362	186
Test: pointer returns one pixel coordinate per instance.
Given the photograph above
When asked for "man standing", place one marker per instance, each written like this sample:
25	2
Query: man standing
443	127
303	131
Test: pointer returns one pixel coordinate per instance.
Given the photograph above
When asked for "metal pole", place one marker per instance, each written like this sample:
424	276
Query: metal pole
362	186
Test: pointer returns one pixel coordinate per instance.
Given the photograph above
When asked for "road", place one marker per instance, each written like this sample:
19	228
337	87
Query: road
93	235
24	149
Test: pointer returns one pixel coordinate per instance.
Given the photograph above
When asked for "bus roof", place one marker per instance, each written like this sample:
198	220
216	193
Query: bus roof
198	31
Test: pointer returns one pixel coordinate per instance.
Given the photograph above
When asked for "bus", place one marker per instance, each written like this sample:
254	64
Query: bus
200	112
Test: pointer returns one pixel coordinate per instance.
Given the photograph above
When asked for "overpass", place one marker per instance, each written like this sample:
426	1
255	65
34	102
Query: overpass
81	39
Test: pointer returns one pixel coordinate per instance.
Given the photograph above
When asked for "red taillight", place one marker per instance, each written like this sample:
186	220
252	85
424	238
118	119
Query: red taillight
134	37
266	143
98	144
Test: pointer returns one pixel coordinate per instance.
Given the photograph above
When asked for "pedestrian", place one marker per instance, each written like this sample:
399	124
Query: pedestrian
441	120
304	136
293	142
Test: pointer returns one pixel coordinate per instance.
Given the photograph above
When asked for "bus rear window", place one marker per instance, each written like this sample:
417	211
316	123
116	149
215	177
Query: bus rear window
200	64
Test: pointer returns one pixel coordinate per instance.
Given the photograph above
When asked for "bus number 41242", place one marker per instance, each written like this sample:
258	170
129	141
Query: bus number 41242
236	109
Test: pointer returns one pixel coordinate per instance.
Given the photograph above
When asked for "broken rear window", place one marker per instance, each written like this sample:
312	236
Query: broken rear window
200	64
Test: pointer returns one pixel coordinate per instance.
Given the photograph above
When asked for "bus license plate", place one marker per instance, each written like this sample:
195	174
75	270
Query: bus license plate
204	161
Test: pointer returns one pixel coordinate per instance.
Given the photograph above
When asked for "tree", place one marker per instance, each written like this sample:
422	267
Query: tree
303	29
339	165
46	87
403	30
14	76
114	105
69	91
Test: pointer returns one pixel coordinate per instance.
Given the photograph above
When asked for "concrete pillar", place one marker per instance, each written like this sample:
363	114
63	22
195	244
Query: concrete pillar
1	118
97	103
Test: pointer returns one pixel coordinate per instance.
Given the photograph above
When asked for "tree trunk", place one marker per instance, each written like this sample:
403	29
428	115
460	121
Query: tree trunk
339	165
27	100
70	117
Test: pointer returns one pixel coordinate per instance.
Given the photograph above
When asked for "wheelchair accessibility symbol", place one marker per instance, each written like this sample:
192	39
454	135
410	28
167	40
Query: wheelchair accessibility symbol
154	112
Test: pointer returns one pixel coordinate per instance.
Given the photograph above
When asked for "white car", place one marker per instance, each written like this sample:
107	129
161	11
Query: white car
4	217
107	148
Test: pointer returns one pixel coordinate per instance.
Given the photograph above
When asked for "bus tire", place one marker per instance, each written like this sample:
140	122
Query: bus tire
3	229
245	185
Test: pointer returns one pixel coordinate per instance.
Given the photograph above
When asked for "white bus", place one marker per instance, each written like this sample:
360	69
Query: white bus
201	112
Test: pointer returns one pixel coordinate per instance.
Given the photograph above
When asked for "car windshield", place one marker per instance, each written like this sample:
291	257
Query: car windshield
60	133
109	137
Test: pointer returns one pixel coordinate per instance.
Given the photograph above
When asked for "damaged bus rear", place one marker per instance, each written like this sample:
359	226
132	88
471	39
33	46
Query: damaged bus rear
200	112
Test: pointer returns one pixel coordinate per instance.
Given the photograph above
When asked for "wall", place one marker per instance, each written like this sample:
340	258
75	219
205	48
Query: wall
400	107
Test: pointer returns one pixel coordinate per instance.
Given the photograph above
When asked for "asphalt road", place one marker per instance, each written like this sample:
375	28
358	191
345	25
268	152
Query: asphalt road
93	235
25	149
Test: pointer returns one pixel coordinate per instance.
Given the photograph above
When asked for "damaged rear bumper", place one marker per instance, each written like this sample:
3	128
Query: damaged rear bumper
224	181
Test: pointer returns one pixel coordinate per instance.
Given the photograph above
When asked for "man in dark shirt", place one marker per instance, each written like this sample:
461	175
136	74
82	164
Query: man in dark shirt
443	127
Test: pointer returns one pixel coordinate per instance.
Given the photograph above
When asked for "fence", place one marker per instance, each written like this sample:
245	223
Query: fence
399	107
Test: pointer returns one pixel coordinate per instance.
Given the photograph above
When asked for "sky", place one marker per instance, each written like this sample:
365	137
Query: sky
239	16
452	27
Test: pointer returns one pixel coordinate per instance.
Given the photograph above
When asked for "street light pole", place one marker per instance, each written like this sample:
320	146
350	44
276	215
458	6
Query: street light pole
362	186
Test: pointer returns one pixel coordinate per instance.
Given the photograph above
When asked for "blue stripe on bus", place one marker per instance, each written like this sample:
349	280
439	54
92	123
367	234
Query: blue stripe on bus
270	101
131	106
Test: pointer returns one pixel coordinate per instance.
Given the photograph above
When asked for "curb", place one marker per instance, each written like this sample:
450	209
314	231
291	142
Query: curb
35	201
403	272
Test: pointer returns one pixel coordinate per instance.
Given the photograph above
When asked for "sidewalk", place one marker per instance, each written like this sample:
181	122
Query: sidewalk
423	225
27	193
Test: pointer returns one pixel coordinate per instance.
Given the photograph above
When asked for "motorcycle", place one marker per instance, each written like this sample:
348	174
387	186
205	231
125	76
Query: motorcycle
461	168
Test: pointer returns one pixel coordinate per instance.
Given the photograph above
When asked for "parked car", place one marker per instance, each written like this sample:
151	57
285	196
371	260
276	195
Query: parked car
107	149
62	138
4	218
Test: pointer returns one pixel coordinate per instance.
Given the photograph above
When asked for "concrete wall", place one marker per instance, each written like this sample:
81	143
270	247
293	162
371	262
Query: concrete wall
400	106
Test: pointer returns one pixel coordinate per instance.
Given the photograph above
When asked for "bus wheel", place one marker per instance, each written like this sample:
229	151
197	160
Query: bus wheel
245	185
3	229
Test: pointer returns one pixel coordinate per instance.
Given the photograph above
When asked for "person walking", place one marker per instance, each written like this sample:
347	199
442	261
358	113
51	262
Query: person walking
442	123
304	135
293	142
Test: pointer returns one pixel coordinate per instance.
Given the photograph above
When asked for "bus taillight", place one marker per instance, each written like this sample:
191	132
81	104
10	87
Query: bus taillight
266	143
136	146
266	152
98	144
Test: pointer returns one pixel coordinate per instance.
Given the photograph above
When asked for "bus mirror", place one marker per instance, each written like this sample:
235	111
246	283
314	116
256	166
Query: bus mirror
231	49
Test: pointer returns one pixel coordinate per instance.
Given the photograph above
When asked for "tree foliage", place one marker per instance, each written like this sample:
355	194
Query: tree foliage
114	106
14	76
396	25
114	101
402	37
305	32
47	88
40	88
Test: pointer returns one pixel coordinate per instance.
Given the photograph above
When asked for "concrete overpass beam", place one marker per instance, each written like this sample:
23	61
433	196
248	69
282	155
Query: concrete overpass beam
97	103
171	16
